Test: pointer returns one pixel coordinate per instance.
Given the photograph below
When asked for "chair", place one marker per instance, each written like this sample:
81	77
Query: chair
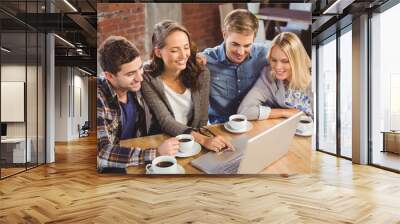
297	27
84	130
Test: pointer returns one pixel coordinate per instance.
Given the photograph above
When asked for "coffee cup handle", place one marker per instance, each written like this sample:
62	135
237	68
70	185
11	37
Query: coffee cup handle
148	168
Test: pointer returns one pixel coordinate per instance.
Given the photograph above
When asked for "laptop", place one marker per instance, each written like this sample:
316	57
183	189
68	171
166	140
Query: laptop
252	155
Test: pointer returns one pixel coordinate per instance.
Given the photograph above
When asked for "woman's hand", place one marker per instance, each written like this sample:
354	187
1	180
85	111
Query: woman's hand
290	112
217	144
201	59
283	113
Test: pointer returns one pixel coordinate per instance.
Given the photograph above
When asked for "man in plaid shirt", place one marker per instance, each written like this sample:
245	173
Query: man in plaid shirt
121	111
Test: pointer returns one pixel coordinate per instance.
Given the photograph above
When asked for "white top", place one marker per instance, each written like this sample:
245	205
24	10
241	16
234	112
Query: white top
181	104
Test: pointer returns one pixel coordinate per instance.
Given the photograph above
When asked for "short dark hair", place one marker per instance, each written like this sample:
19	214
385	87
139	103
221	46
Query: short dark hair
116	51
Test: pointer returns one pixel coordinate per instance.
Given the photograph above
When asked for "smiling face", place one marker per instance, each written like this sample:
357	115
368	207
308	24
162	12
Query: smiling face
129	77
237	46
280	64
176	51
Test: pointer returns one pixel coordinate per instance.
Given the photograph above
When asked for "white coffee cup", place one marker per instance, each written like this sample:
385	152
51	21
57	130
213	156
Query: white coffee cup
163	165
185	142
305	126
238	121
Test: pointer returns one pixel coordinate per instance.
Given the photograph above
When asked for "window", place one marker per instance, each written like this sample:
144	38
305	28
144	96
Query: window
327	96
346	75
22	66
385	84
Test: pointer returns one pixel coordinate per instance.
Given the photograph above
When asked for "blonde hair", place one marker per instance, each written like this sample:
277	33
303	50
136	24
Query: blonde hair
298	59
241	21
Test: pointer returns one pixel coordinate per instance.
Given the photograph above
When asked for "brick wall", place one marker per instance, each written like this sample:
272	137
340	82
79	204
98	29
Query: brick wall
123	19
202	21
128	20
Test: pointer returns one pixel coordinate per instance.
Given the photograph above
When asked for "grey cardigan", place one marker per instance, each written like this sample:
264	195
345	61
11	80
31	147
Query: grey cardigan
266	93
153	93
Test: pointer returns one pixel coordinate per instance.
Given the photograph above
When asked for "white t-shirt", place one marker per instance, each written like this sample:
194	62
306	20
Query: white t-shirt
181	104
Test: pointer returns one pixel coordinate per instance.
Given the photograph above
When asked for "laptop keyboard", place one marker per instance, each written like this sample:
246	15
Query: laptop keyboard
227	162
231	167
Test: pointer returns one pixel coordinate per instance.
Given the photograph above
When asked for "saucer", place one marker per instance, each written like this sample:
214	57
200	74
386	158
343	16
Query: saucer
228	128
195	150
305	133
181	170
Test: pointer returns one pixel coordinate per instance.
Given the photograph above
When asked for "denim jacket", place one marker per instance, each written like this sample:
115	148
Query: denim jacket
231	82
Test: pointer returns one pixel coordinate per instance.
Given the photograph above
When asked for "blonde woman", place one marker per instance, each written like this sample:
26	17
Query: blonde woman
284	87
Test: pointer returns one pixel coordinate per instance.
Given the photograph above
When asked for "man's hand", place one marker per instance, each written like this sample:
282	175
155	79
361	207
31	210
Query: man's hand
169	147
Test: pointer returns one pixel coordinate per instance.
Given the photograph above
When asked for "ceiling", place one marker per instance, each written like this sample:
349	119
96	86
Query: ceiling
76	21
330	15
72	20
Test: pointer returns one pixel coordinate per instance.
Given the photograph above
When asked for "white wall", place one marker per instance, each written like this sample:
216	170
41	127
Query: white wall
61	104
79	117
70	83
14	73
34	124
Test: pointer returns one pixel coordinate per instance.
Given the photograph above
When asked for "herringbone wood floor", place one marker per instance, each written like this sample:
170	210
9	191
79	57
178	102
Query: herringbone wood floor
70	191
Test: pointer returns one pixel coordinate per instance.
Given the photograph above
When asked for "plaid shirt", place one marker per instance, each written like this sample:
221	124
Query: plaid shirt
109	151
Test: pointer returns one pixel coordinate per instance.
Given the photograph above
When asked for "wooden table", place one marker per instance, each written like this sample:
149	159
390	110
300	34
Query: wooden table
297	160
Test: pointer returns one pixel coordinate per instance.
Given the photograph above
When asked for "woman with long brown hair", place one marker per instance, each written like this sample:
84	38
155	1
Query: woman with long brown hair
176	86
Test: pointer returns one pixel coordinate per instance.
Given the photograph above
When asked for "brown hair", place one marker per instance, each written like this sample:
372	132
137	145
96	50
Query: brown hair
116	51
241	21
190	75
